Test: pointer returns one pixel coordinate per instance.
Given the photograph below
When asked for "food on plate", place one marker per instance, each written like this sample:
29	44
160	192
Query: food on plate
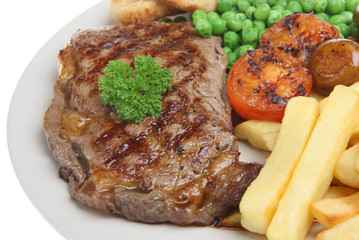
345	167
135	11
232	221
330	212
261	134
135	92
344	230
315	169
262	81
180	167
356	14
260	200
334	62
355	136
192	5
298	34
339	191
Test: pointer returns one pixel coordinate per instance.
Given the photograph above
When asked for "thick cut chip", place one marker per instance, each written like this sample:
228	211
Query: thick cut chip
261	134
345	230
261	198
315	169
330	212
345	168
339	191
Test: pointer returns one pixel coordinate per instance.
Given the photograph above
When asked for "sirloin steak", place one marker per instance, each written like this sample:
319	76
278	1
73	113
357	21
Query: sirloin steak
181	167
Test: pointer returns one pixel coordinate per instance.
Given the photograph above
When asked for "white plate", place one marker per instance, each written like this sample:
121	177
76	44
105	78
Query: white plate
36	168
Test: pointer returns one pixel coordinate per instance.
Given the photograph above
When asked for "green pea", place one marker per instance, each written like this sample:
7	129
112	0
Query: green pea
342	6
334	6
247	24
242	5
320	5
295	7
286	13
234	24
256	3
204	28
348	17
234	2
241	16
232	59
179	19
230	39
261	33
351	4
250	12
278	8
274	16
255	44
271	2
219	26
166	20
224	5
250	35
345	30
198	14
336	19
282	3
241	50
322	16
227	50
262	11
228	15
234	9
259	25
355	30
212	15
308	5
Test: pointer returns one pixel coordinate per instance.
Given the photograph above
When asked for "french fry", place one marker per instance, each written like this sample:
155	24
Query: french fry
345	230
315	169
345	167
232	221
355	137
261	134
330	212
356	167
261	197
339	191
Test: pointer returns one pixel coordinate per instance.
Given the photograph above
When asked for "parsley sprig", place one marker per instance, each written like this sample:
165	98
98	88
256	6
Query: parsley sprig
135	92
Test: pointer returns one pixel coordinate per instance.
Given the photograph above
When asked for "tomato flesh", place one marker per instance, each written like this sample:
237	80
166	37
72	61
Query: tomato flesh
262	81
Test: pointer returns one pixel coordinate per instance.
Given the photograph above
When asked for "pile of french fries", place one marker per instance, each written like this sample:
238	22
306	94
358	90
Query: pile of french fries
315	148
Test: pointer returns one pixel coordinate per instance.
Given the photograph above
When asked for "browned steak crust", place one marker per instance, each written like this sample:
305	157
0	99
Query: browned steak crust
180	167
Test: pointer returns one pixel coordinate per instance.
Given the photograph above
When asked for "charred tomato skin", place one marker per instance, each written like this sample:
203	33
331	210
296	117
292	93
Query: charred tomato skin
262	81
298	34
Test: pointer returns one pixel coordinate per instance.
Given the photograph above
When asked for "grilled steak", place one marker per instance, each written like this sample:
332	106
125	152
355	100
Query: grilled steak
180	167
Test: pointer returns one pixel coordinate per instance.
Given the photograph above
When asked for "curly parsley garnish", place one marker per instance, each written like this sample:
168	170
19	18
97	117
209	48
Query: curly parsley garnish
135	93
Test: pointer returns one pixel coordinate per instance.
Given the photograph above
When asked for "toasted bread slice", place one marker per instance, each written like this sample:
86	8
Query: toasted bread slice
134	11
193	5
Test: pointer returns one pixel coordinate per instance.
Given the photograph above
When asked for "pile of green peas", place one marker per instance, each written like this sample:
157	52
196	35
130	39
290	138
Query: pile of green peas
241	23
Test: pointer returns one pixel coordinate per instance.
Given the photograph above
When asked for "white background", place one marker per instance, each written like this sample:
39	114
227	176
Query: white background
25	27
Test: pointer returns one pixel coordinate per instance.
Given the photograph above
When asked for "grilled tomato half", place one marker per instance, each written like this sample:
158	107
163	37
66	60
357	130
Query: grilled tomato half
298	34
262	81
